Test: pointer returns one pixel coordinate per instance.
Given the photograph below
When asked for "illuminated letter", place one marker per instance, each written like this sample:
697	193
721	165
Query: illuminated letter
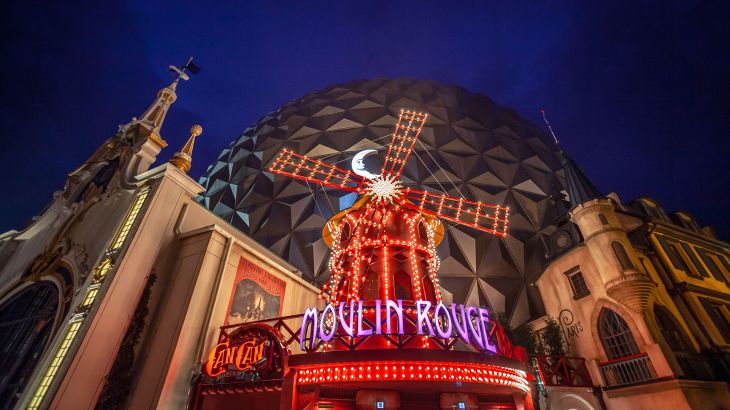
244	362
259	355
462	331
483	320
360	330
246	355
422	307
398	308
230	355
309	315
476	334
378	329
345	327
444	334
210	364
326	337
220	360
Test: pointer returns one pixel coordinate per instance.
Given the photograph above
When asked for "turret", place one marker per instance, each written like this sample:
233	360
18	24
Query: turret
612	253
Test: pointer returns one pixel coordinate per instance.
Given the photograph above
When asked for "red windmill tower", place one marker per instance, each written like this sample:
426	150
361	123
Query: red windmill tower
384	246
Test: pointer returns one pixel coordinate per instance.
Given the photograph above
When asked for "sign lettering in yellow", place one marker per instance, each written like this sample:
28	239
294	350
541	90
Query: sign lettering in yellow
244	356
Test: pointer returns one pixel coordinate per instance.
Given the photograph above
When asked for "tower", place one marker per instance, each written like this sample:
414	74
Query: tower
68	259
610	249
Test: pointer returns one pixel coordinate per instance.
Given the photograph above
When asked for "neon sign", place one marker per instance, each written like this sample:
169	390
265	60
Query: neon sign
243	357
470	324
252	352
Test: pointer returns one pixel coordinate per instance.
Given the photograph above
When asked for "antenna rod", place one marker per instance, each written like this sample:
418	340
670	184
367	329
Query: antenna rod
544	118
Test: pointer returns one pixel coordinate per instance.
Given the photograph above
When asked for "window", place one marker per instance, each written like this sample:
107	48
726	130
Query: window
692	257
724	262
686	221
403	286
621	255
712	265
674	256
672	333
422	232
371	286
616	337
719	314
602	218
652	210
577	284
26	325
428	289
345	234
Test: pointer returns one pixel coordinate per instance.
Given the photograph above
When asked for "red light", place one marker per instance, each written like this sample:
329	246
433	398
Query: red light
428	371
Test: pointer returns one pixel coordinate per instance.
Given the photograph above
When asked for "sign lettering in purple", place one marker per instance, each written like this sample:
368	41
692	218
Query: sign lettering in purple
470	324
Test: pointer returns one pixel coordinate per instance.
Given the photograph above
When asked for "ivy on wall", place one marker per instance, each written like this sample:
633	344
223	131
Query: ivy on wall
119	380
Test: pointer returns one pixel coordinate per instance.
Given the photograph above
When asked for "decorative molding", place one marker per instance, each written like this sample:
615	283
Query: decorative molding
154	137
632	289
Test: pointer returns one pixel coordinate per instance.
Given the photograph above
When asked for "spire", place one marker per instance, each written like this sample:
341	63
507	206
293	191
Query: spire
151	120
183	159
580	188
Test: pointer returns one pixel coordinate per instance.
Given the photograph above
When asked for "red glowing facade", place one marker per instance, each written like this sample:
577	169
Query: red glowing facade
384	246
383	257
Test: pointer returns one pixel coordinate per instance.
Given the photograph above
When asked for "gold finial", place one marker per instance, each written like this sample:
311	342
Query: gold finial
183	159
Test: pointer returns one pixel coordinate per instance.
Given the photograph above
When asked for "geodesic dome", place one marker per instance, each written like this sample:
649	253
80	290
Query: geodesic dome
469	147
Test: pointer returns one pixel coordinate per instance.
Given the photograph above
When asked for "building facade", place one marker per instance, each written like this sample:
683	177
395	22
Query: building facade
642	297
138	287
115	293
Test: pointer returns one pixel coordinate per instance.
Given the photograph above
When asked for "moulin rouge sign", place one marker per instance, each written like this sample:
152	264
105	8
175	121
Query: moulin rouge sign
470	324
254	352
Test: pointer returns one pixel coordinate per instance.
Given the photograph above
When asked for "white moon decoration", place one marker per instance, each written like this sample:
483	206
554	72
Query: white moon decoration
358	166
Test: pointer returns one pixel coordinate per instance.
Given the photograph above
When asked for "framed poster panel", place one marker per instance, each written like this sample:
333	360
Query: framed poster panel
256	294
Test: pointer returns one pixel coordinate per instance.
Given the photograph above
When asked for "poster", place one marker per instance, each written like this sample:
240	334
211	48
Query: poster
256	294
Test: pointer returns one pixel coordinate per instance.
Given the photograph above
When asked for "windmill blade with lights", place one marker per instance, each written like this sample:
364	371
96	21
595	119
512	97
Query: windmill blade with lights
384	246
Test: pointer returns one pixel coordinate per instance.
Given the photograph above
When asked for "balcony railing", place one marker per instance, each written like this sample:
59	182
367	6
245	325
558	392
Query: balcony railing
561	371
627	370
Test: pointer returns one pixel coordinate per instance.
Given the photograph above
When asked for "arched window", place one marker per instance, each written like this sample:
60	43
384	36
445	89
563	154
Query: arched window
616	337
422	232
370	289
26	325
602	218
429	293
621	255
345	234
672	333
403	286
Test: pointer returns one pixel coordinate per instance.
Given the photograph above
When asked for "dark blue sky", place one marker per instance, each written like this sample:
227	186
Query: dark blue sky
638	93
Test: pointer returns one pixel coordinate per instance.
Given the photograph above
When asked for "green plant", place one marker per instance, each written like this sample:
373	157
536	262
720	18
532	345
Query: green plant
119	380
525	335
552	337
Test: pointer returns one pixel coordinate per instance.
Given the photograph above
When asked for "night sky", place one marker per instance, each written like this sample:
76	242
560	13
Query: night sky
639	94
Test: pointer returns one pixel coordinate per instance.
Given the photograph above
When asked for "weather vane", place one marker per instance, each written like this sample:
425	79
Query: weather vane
181	70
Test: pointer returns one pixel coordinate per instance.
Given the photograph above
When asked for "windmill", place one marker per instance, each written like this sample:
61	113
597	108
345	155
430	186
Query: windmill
384	245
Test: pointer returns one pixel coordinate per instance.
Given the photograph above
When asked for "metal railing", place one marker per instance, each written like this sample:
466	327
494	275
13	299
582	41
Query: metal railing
627	370
564	371
290	328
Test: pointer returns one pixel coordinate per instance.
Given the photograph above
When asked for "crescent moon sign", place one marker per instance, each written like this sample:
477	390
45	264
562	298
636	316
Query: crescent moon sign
358	166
